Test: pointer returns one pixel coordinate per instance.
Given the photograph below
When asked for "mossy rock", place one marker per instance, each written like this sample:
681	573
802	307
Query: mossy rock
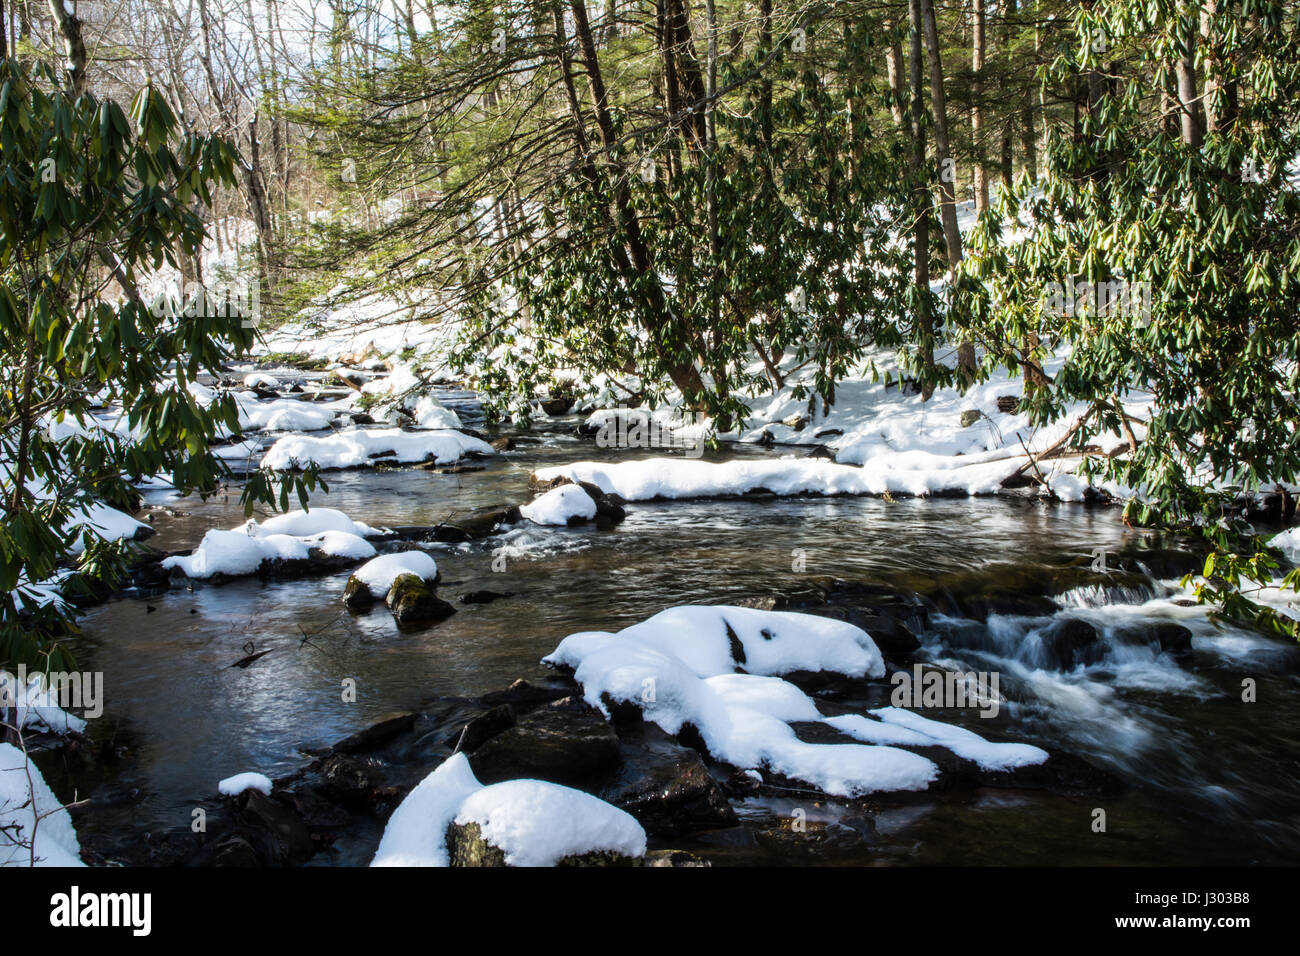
413	601
466	846
357	595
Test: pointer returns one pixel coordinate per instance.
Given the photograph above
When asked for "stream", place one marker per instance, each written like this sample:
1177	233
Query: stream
1211	779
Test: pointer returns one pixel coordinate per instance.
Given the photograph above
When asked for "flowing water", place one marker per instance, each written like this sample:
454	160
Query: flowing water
1212	779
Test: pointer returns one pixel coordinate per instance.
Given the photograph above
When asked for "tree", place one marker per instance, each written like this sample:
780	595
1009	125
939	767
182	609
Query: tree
91	197
1179	250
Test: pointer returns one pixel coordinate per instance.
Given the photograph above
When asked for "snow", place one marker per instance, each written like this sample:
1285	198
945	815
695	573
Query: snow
380	573
774	642
899	726
285	415
355	447
558	505
1288	542
677	667
21	805
109	523
538	823
535	823
261	380
909	473
431	413
315	521
235	553
288	537
234	786
416	834
36	705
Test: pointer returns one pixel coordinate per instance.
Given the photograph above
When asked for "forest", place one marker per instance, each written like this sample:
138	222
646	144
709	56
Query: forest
722	373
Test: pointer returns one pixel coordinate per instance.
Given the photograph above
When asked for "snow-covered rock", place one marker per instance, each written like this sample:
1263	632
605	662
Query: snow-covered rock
356	447
380	573
533	822
679	667
234	786
560	505
296	536
315	521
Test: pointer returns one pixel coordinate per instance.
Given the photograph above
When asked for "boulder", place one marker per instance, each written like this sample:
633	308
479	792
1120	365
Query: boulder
357	595
668	788
412	601
970	416
567	742
483	728
1069	642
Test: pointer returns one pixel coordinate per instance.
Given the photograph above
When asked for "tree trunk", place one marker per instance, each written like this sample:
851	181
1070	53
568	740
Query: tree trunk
685	376
73	45
893	68
977	106
1193	125
921	190
947	170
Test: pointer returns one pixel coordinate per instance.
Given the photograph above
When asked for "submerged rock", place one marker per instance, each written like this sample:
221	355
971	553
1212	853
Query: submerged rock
1165	636
483	597
376	736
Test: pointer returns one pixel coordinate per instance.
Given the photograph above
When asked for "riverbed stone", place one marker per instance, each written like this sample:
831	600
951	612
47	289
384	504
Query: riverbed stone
413	601
354	782
567	742
477	524
375	736
483	728
293	839
667	787
1069	642
357	594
